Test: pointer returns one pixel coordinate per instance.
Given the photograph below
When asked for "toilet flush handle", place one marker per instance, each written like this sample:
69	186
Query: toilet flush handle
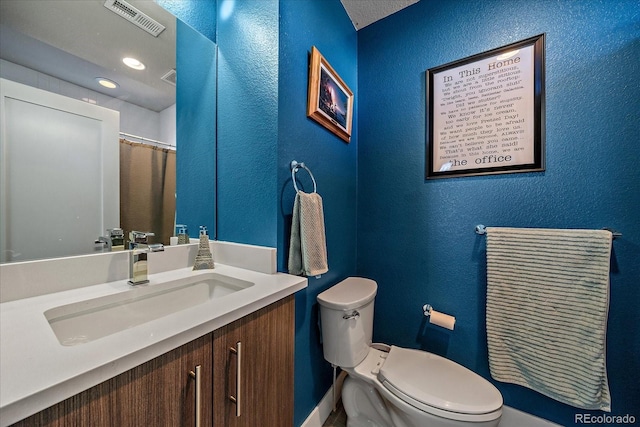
354	315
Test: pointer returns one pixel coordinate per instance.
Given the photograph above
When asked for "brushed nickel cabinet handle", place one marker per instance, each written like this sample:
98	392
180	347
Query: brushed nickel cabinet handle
197	376
238	352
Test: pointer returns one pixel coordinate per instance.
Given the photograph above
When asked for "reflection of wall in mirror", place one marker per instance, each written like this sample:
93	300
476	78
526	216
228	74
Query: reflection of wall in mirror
133	119
60	182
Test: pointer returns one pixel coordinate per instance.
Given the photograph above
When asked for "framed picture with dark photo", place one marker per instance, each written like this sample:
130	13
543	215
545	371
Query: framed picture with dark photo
329	101
485	113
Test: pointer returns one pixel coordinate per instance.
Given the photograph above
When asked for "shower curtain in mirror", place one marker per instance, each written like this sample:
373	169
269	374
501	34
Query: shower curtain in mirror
147	190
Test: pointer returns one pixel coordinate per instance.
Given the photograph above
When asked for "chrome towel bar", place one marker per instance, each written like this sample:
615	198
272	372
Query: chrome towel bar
482	230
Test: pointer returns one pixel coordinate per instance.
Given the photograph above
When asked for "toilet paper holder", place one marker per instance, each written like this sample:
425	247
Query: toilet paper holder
437	318
426	309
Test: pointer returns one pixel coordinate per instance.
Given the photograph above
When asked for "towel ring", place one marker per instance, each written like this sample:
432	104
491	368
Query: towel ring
294	168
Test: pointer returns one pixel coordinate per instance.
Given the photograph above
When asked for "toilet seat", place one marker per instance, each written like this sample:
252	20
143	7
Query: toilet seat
439	386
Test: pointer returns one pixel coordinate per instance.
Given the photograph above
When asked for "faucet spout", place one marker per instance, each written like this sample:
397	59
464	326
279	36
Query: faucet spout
138	256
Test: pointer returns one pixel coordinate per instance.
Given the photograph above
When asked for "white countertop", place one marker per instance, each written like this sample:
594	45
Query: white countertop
36	371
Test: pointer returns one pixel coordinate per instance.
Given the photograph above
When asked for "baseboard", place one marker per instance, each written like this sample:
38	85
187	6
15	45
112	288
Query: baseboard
320	413
514	418
510	417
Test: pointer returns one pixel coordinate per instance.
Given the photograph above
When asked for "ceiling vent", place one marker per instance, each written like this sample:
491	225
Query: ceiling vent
130	13
170	77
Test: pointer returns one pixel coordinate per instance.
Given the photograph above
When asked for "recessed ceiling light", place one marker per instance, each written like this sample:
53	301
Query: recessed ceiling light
134	63
107	83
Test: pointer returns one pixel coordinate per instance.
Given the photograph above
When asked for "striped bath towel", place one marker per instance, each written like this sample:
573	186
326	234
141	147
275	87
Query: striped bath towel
547	306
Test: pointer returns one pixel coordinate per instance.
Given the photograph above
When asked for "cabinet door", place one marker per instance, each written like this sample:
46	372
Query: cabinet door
158	393
162	392
263	386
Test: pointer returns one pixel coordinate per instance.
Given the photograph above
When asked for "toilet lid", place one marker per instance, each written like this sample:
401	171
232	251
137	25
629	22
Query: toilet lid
352	292
420	378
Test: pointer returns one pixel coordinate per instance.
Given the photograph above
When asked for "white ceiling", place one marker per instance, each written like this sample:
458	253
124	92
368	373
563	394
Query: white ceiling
76	41
365	12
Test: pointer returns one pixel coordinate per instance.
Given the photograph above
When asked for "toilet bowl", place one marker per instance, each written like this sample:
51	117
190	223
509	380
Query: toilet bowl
389	386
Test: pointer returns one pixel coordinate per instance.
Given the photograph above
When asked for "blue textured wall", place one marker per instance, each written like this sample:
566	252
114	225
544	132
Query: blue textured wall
195	112
326	25
195	130
248	122
416	238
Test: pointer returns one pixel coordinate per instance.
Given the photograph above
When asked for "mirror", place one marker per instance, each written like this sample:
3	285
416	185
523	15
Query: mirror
86	40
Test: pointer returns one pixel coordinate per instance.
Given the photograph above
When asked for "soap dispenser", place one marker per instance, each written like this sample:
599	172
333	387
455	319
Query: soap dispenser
183	234
204	259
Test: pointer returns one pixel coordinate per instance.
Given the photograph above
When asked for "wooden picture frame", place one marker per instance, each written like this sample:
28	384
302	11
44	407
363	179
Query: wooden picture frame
329	101
485	113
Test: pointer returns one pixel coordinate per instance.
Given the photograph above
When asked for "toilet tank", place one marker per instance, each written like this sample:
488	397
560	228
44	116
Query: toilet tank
346	316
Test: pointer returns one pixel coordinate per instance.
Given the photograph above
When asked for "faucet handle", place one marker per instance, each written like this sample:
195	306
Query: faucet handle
139	236
115	233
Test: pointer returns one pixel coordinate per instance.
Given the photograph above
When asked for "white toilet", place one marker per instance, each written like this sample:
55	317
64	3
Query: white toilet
390	386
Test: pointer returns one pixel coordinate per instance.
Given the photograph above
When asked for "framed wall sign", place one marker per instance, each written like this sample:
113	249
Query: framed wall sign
485	113
329	101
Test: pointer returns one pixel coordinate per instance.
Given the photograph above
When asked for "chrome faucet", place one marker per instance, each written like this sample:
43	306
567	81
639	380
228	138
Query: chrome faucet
104	241
140	248
114	240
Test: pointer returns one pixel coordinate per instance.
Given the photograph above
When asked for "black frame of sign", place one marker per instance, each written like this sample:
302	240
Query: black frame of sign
486	112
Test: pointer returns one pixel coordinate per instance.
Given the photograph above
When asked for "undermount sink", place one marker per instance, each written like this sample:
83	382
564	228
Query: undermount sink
86	321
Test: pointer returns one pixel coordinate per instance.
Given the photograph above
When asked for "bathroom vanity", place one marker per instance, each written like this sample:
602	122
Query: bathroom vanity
225	359
162	391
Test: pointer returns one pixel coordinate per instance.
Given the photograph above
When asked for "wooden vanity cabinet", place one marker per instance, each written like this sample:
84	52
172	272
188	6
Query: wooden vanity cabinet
253	368
160	392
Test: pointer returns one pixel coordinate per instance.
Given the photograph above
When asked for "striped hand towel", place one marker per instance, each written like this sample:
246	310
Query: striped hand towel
547	306
308	247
